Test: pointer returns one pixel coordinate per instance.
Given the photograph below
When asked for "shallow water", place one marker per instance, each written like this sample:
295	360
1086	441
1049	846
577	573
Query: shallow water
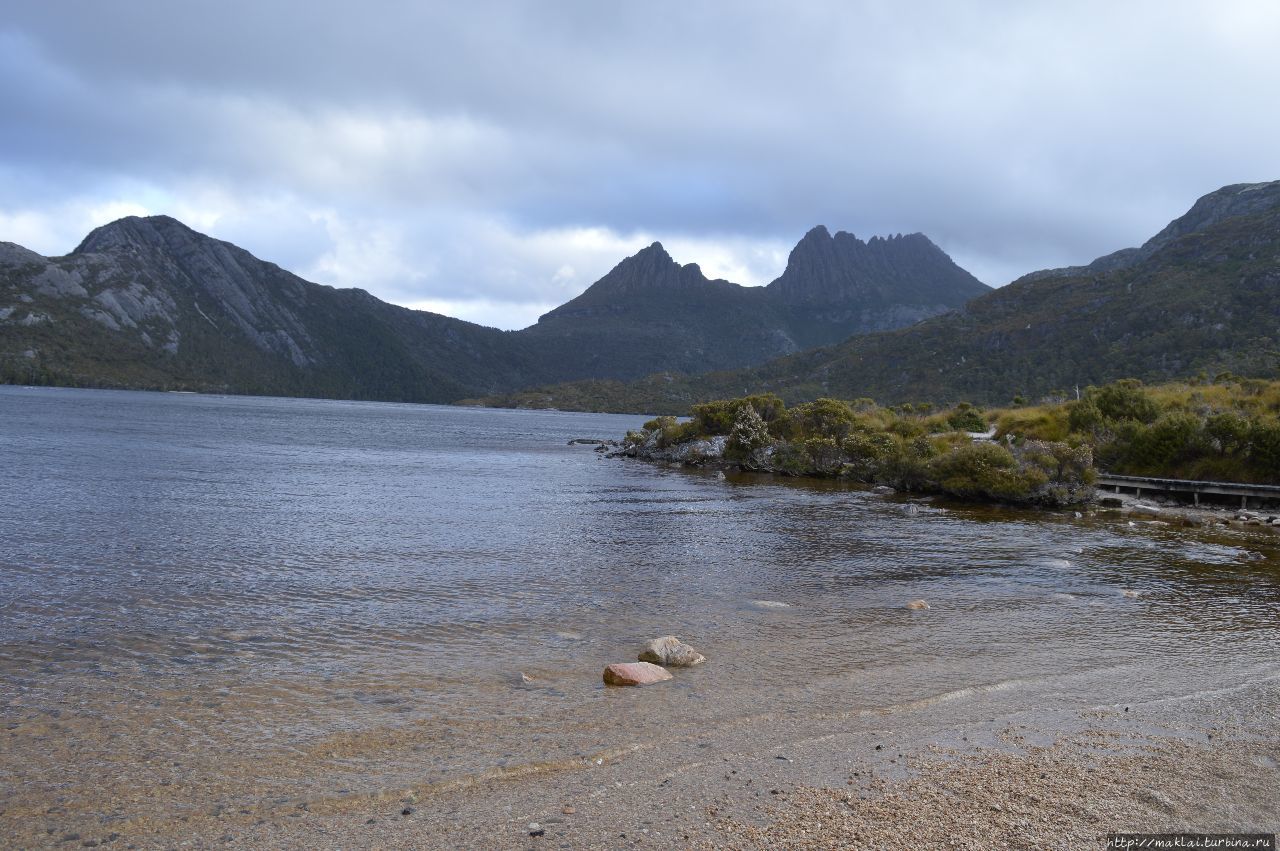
224	602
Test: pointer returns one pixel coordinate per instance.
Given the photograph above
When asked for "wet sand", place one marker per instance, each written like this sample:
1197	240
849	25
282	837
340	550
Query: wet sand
1028	779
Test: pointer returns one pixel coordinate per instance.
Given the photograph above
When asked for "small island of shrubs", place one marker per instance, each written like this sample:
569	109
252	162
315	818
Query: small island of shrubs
1038	455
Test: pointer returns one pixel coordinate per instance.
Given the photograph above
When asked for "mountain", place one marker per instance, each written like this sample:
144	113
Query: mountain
1239	199
1203	295
650	313
150	303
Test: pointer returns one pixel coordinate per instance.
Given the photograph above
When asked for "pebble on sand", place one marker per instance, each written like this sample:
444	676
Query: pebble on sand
634	674
917	605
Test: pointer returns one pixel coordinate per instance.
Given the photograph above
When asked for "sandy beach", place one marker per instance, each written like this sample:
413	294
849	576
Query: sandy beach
1203	763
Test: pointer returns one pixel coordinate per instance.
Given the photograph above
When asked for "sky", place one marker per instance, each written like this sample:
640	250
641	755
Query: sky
490	160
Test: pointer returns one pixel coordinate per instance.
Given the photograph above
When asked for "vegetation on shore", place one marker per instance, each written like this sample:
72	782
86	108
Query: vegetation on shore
910	448
1225	429
1228	429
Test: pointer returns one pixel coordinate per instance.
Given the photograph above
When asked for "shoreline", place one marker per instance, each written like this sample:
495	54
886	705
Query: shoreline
1151	509
1205	762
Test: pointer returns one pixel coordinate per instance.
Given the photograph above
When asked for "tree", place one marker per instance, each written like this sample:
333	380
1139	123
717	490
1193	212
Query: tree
748	434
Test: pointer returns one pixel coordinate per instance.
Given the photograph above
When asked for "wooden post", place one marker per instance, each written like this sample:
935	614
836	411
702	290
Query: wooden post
1244	503
1196	496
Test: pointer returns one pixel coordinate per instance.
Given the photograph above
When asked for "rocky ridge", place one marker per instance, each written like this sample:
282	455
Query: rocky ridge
151	303
1199	297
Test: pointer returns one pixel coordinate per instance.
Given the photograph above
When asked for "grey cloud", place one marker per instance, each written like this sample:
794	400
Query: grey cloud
1018	136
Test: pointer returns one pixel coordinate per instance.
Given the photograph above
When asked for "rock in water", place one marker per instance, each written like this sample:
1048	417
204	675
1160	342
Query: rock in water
634	674
669	650
912	510
917	604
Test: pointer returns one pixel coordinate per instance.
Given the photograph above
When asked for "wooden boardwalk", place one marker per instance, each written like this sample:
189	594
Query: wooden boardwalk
1138	484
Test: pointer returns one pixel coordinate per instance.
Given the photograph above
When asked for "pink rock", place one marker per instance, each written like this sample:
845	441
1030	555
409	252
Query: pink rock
635	674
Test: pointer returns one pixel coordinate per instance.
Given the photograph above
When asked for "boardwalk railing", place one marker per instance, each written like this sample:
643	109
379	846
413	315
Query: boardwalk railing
1140	483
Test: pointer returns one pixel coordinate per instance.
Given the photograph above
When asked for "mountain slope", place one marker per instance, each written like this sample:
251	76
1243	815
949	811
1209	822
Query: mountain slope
650	313
1203	295
151	303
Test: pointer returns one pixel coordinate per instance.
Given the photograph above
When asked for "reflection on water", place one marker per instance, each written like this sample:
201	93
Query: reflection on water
214	602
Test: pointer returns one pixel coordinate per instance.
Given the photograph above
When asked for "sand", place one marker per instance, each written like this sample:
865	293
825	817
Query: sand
1039	780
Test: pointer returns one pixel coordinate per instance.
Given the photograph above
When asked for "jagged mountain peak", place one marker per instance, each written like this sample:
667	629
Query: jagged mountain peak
909	268
649	270
650	260
815	234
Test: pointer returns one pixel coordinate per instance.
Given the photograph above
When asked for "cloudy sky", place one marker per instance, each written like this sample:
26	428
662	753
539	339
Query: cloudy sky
491	160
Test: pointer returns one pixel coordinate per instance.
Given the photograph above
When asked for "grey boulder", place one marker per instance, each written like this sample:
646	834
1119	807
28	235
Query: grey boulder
672	652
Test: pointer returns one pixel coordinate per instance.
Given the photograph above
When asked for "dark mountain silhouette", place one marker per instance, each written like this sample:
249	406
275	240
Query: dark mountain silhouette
1203	295
150	303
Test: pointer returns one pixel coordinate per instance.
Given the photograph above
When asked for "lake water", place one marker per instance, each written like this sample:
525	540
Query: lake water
212	603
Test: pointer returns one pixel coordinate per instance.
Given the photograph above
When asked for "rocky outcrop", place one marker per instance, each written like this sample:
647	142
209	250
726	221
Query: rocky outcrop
635	674
696	452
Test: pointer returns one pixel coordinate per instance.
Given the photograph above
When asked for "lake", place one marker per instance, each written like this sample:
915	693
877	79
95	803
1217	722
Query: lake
218	603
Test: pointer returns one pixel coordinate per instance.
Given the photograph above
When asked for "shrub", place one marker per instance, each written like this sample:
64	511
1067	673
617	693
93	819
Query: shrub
1264	447
1084	416
1061	462
659	423
716	417
1228	432
865	453
719	417
965	417
1124	400
748	434
824	455
790	458
1159	447
984	471
906	465
676	433
827	418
